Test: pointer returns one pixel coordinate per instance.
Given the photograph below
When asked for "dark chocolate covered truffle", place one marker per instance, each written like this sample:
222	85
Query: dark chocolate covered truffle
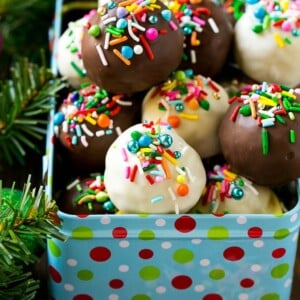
88	121
260	134
86	195
208	34
128	46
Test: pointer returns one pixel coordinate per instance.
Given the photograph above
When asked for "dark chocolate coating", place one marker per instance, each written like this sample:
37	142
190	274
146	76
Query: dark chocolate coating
242	148
84	160
214	48
142	73
66	201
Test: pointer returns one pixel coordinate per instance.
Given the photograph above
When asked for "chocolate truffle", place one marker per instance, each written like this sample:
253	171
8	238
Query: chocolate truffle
86	195
228	193
151	169
208	34
128	48
68	54
88	121
267	41
193	105
259	134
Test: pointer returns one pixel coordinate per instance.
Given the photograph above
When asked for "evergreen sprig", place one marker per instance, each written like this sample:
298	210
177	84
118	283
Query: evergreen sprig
34	219
25	101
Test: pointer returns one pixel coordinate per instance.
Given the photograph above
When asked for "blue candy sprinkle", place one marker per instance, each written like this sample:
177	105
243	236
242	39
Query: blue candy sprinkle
166	14
145	140
58	119
127	52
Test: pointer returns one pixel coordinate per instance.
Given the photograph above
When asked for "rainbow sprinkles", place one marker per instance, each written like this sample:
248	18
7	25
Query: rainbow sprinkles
128	28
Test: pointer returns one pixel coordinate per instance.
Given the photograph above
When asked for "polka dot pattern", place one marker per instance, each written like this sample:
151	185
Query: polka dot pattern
151	257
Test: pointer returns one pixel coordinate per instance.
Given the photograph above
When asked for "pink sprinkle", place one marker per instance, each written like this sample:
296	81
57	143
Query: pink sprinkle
151	34
172	25
198	21
124	154
286	26
159	179
127	172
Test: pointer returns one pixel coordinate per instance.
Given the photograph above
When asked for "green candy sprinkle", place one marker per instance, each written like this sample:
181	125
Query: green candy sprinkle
245	110
265	141
292	136
95	30
204	104
257	28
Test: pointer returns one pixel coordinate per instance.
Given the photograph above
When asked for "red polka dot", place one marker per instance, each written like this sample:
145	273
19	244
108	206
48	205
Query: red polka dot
100	254
185	224
119	233
233	253
247	283
182	282
82	216
82	297
212	297
255	232
279	252
116	283
55	275
146	254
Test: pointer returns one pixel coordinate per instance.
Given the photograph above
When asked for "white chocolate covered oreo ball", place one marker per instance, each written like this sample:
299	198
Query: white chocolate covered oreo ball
267	41
227	192
193	105
68	55
151	169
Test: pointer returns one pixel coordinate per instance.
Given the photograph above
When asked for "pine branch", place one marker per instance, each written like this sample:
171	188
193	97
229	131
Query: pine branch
26	217
25	101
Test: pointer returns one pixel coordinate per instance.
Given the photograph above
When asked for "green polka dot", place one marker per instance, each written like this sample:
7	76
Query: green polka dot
217	274
270	296
280	271
218	233
149	273
183	256
82	233
281	233
53	248
141	297
85	275
147	234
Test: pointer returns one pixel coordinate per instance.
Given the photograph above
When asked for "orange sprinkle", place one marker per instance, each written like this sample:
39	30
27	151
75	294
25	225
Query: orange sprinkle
199	81
86	198
118	40
195	1
103	121
174	121
166	168
194	40
126	2
253	110
122	58
182	189
193	104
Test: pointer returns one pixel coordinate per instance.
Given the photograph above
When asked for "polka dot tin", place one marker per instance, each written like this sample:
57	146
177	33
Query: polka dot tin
166	257
150	257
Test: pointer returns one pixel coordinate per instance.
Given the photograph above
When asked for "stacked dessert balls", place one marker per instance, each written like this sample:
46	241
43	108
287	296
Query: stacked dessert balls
156	120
